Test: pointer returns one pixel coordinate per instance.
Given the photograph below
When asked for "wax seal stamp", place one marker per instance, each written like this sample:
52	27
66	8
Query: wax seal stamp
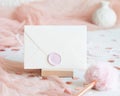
54	58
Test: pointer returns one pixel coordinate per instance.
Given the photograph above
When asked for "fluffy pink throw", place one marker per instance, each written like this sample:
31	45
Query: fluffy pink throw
46	12
15	81
63	12
11	33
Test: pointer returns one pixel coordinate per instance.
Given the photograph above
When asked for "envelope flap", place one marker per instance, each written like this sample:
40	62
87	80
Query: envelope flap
51	38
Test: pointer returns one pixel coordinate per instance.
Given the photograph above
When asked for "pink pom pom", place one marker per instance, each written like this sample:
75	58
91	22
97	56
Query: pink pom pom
105	75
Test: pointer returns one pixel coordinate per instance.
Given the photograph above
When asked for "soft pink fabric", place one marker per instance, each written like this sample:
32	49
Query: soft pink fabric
63	12
6	12
54	12
106	76
28	14
14	81
9	29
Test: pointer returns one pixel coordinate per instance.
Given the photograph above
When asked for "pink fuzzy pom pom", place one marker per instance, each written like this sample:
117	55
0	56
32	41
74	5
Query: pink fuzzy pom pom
105	75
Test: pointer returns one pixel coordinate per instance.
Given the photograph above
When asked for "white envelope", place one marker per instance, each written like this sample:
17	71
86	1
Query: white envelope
55	47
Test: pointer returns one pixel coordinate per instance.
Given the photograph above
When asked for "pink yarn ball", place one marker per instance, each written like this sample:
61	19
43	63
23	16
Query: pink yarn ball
106	76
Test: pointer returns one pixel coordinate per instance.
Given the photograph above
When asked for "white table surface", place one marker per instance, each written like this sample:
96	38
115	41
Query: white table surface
103	45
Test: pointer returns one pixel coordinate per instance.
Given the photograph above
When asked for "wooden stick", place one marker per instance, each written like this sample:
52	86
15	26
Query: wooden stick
60	73
84	90
118	68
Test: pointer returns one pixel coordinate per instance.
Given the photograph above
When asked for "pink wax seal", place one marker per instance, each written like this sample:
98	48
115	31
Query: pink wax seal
54	59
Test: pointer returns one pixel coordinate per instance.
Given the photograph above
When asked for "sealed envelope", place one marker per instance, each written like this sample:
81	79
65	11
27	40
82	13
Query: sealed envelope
55	47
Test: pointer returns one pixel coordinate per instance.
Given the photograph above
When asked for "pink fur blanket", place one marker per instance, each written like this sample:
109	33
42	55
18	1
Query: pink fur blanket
48	12
14	80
